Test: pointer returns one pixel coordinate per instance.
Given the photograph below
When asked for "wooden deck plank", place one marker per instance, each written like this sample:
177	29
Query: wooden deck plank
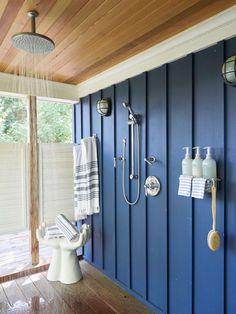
33	296
4	304
76	302
16	299
110	292
56	303
86	299
3	297
95	293
13	292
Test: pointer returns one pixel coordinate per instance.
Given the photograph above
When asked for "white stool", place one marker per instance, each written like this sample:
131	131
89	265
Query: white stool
64	266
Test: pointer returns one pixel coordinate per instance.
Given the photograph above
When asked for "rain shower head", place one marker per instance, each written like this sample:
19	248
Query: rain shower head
31	41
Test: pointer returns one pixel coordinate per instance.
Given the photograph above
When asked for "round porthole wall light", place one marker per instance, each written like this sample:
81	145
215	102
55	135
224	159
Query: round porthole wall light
104	107
228	70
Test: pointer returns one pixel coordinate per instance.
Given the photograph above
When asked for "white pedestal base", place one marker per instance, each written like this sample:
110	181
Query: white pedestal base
64	266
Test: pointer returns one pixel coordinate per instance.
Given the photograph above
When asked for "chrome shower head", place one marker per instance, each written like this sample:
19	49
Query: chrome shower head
31	41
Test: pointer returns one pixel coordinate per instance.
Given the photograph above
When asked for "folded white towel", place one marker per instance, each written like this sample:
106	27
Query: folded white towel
51	232
86	179
53	236
185	183
66	227
52	228
198	187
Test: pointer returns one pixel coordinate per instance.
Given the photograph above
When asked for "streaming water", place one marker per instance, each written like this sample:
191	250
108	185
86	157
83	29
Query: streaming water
32	76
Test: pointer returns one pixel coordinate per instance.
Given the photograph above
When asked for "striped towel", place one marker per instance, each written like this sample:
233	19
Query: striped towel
53	230
53	236
67	228
86	178
198	187
185	183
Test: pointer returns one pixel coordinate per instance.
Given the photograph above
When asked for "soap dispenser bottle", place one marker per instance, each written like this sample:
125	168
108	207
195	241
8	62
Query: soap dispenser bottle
197	163
187	163
209	165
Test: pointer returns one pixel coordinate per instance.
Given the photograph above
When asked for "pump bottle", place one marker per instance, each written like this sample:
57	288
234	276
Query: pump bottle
187	163
209	165
197	163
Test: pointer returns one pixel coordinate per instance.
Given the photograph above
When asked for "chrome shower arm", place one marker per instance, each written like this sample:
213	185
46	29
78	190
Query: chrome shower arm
33	14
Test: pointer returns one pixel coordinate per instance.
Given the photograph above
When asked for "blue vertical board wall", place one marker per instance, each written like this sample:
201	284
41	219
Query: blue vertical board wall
108	173
230	195
122	208
209	131
157	249
86	131
156	207
179	121
97	230
138	211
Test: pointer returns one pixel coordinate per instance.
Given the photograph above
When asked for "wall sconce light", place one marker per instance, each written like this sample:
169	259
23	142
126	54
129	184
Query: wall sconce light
104	107
228	70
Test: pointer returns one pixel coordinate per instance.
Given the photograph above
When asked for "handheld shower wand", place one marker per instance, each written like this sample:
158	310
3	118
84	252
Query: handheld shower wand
131	113
133	121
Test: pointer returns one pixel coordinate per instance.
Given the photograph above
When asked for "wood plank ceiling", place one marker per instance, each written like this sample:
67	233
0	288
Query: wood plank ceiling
93	35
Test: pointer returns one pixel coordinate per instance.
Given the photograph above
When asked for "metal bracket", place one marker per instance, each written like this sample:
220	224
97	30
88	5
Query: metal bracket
210	183
115	159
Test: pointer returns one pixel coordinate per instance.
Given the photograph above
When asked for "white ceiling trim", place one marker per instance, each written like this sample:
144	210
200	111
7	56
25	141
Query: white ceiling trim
200	36
10	83
13	84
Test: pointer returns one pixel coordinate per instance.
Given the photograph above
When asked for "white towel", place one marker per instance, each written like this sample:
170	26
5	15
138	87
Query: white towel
86	179
53	236
185	183
52	229
67	228
53	232
198	187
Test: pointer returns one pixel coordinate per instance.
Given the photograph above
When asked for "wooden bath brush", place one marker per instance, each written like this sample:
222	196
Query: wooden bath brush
213	238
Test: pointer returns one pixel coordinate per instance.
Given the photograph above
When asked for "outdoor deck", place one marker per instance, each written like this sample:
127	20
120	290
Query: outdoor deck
94	294
15	253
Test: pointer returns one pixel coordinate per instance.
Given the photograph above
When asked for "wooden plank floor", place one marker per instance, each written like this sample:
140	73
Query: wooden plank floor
95	293
15	253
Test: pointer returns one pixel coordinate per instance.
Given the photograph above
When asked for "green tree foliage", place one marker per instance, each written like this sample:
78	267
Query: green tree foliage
54	121
13	120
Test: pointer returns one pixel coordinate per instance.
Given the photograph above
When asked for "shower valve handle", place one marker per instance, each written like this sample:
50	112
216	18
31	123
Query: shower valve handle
152	186
150	160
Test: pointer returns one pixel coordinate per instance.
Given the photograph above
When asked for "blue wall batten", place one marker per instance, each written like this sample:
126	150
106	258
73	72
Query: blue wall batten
138	211
230	195
97	239
122	209
157	249
209	128
179	208
108	188
156	207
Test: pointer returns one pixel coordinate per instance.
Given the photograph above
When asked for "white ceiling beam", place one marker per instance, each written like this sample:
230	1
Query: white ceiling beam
13	84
